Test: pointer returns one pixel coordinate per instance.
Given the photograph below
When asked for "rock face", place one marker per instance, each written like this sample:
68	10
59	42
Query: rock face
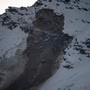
45	43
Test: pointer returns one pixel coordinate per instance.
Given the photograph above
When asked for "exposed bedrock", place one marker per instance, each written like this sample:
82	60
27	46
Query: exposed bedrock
45	43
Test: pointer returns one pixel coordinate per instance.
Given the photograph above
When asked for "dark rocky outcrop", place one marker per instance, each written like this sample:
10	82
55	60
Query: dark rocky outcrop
45	43
7	21
80	47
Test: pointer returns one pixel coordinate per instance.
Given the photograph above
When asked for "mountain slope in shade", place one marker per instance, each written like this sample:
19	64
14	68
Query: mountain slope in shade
48	33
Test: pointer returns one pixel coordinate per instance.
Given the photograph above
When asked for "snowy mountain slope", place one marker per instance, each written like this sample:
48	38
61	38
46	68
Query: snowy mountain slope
73	73
12	44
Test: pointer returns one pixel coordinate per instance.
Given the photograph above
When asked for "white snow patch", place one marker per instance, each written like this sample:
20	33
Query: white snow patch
11	40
